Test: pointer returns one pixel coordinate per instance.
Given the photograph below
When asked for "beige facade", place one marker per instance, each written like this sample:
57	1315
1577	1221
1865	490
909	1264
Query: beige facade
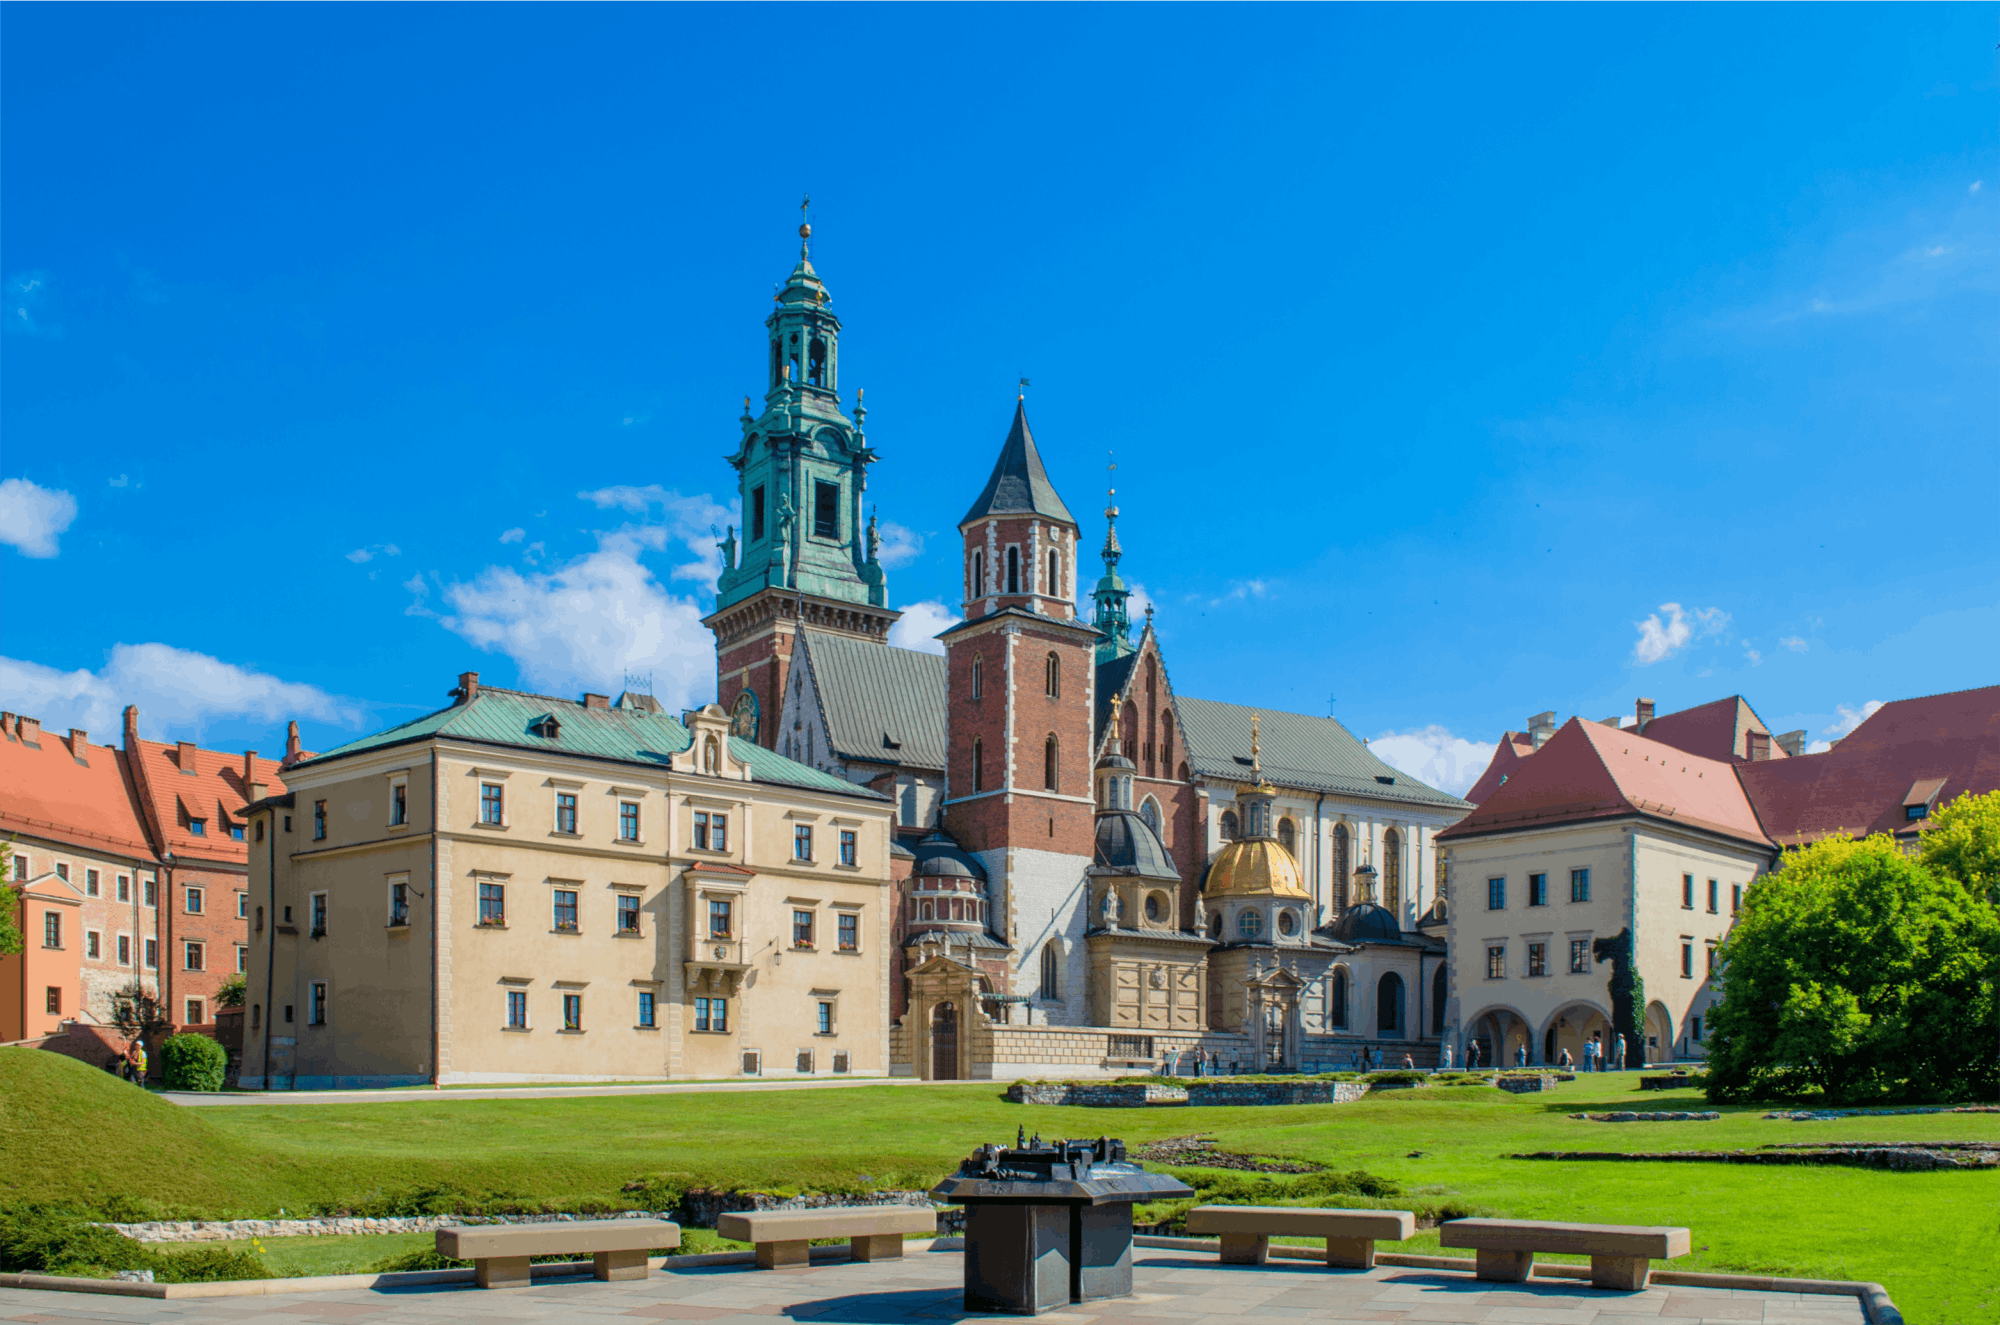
457	910
1530	961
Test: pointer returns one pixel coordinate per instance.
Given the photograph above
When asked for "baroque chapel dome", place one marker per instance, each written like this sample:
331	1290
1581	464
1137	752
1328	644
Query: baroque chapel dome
1254	867
1365	922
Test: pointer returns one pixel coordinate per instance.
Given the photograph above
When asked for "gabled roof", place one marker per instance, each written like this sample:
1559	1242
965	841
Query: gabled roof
210	787
46	793
1313	754
1111	679
881	703
1508	756
1861	785
1719	729
623	735
1019	485
1589	771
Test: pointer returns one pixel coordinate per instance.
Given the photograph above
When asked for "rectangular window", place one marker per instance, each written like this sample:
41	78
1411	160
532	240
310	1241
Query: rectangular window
565	909
318	915
719	838
1694	1027
1687	892
236	831
153	891
572	1012
242	958
850	932
62	871
711	1014
199	827
54	998
1687	961
93	944
1496	963
802	929
700	831
124	887
1538	890
399	904
51	929
194	900
628	821
646	1007
826	510
319	821
243	906
517	1009
1579	956
1711	959
1735	898
701	1014
1714	897
288	1014
194	1012
192	954
1538	963
628	914
399	803
91	883
490	804
492	903
847	851
1496	894
124	949
1579	885
20	868
802	842
825	1017
152	954
565	812
718	919
316	1009
756	514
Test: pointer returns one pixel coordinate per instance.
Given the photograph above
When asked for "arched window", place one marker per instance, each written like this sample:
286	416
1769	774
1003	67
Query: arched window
1150	812
1229	829
1288	833
1167	741
978	575
1049	763
1392	871
1013	570
1052	679
1389	1003
978	765
1343	865
1336	1000
1055	574
1184	770
1440	988
1051	967
978	677
926	911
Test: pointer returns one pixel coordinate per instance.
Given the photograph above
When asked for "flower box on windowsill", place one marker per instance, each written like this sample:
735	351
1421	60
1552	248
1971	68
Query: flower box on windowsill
803	947
565	928
491	924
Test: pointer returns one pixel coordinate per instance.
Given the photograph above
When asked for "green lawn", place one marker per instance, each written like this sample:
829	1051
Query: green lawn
1930	1237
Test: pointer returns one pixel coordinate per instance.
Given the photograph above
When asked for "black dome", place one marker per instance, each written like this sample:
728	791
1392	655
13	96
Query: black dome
1366	922
938	857
1125	845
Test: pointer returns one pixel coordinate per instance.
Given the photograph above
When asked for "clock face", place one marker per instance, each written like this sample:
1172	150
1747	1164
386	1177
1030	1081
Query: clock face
743	722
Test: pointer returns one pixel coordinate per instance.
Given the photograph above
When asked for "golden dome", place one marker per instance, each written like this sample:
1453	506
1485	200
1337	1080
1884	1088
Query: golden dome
1254	867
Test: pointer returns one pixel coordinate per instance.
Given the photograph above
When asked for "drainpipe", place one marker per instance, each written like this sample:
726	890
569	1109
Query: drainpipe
166	909
434	917
270	937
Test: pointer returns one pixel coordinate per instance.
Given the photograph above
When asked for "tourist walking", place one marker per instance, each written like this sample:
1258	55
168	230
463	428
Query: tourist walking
1520	1055
136	1058
1446	1066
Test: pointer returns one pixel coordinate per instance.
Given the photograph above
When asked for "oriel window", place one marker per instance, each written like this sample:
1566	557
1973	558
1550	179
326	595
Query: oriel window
718	919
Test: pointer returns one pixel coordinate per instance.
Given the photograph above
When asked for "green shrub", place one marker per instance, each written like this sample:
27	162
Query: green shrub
60	1239
1398	1077
206	1265
193	1062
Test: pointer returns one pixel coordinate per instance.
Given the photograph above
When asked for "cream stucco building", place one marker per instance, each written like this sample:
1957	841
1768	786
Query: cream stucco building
525	888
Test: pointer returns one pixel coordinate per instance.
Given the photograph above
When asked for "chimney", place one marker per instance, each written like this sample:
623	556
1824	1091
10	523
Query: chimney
468	687
186	758
6	724
1541	727
1758	746
79	745
131	729
249	767
1645	711
1793	743
291	743
591	701
31	731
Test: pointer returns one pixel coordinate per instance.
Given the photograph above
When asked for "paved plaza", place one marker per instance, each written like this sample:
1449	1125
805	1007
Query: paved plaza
1171	1288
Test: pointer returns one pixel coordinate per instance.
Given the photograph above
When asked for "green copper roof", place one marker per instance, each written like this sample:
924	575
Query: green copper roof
622	735
881	702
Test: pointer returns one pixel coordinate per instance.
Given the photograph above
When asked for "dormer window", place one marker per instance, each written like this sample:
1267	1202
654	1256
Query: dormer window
545	727
1915	812
199	827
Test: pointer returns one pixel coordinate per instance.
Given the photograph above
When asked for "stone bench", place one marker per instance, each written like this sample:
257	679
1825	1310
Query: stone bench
1620	1254
1246	1231
784	1237
499	1252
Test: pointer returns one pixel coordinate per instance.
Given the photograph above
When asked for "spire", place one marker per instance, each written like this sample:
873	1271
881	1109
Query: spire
1019	485
1112	616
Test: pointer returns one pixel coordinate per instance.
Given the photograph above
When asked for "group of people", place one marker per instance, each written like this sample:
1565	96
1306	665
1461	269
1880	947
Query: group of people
130	1065
1596	1056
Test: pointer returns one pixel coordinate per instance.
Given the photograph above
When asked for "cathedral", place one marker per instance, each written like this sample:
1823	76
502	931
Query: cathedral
1095	873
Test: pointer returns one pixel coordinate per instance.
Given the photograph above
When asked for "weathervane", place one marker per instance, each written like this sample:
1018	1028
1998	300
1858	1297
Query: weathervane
805	226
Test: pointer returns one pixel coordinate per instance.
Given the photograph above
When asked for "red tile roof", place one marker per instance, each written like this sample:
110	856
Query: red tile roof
214	791
1590	771
1512	752
46	793
1860	785
1719	729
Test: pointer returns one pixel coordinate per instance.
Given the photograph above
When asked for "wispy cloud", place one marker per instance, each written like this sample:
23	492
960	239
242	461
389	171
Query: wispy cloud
920	622
177	690
28	305
122	481
900	546
373	550
1794	643
33	517
1850	718
513	535
1662	639
667	518
1756	658
1433	755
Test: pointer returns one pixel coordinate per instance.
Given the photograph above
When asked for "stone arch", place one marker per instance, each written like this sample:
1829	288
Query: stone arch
1440	991
1492	1026
1569	1027
1149	810
1391	1014
1659	1033
1229	827
1339	996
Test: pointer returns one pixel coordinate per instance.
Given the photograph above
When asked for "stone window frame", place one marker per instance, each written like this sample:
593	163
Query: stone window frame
399	800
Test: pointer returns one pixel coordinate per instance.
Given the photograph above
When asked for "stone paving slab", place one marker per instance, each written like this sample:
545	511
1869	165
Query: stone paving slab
1171	1288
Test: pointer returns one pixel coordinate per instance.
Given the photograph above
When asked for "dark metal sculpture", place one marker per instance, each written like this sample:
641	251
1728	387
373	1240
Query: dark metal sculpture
1050	1224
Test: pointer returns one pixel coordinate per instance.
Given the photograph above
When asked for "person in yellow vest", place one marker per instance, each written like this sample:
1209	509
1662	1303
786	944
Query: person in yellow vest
136	1056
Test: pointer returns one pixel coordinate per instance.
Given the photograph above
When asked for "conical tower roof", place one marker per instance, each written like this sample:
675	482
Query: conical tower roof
1019	486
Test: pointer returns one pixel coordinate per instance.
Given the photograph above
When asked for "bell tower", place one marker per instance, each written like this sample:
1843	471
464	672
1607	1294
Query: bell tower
805	558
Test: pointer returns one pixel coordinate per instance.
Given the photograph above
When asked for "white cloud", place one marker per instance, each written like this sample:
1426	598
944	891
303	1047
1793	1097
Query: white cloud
32	517
513	535
1756	658
122	481
420	602
370	552
1850	718
1433	755
920	622
900	546
1794	643
176	690
1659	640
27	297
1976	185
694	522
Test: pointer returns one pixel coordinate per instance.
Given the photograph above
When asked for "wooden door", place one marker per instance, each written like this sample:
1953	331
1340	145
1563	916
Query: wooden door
944	1042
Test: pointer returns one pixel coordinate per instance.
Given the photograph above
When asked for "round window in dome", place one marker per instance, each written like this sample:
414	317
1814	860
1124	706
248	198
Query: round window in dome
1249	924
1155	909
1288	923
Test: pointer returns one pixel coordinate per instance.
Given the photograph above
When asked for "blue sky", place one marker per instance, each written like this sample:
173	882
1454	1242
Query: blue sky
1460	363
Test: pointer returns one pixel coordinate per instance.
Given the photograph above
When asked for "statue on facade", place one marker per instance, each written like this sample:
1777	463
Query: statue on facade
1112	908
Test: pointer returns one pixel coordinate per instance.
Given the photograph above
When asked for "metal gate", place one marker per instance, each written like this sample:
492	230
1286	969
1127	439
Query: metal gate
944	1042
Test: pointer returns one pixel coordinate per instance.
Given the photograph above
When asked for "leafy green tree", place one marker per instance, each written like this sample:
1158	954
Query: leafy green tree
1857	971
1963	843
232	992
11	942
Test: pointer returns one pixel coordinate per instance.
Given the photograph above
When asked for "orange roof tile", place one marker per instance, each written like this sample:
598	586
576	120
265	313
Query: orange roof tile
214	791
46	793
1719	729
1508	756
